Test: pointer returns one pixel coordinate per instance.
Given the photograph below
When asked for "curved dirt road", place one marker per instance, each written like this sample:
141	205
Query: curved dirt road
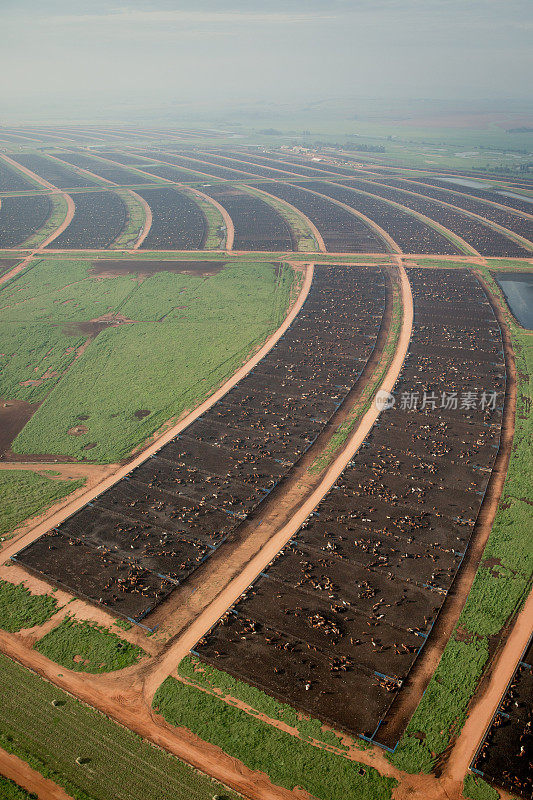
71	208
230	227
382	234
147	219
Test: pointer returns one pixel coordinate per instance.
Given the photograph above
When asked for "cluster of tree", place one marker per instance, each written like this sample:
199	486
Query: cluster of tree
365	148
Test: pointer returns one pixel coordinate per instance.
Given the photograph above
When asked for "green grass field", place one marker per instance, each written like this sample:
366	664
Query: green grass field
24	494
287	760
19	608
33	357
216	227
9	790
87	647
52	290
50	730
191	334
497	592
210	678
475	788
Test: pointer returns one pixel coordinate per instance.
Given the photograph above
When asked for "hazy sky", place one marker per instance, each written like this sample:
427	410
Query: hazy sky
226	51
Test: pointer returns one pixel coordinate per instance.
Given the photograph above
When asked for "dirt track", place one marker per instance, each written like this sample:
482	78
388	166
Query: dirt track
147	219
230	228
17	770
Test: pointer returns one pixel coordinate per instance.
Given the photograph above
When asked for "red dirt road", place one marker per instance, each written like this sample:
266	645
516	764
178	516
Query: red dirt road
17	770
147	219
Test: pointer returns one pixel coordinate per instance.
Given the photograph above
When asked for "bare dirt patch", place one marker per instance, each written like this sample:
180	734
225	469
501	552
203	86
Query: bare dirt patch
115	268
94	326
78	430
14	414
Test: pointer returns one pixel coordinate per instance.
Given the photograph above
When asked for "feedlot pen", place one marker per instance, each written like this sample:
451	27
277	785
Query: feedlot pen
336	622
136	541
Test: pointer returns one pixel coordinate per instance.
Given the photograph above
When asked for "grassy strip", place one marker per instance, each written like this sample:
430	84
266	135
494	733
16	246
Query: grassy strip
57	216
497	592
305	238
9	790
510	264
216	227
87	647
288	761
208	677
50	730
343	431
136	217
210	255
25	494
475	788
19	608
191	335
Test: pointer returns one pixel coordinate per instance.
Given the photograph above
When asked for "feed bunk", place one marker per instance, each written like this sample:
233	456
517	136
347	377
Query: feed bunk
131	545
498	197
501	216
52	171
234	163
118	175
336	622
196	166
410	234
292	164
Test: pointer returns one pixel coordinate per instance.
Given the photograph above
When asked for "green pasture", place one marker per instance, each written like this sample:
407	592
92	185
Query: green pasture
25	494
287	760
83	751
87	647
190	333
19	608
